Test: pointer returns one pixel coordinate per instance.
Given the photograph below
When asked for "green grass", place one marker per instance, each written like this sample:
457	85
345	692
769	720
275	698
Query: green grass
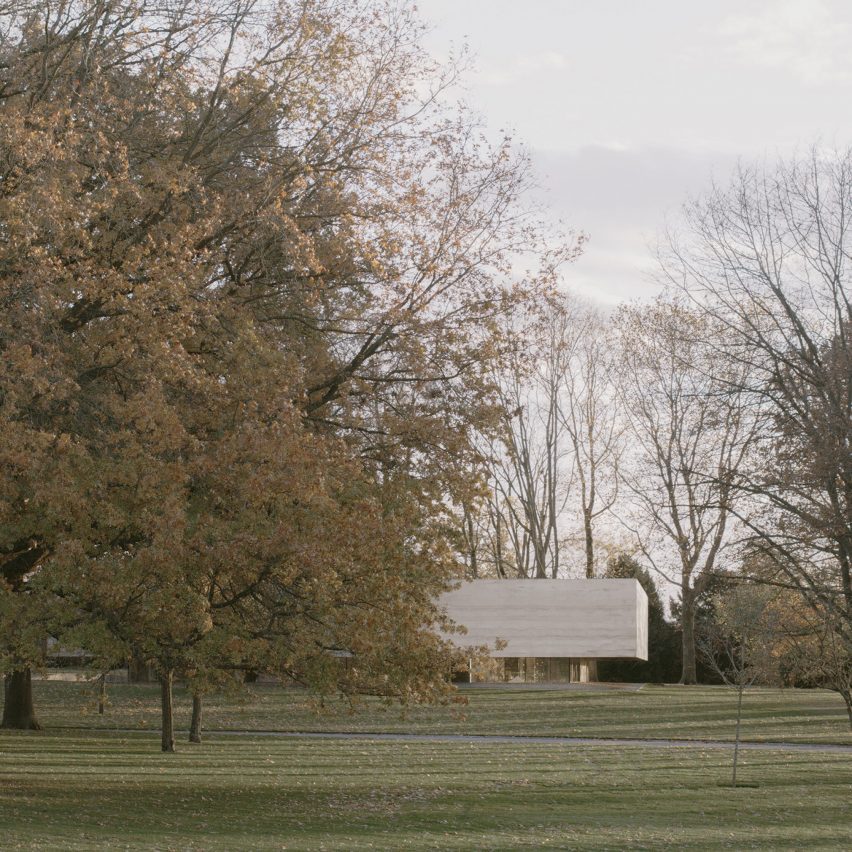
70	788
792	715
97	790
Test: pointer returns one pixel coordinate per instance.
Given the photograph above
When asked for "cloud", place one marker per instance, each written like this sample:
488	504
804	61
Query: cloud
621	196
521	66
803	37
624	184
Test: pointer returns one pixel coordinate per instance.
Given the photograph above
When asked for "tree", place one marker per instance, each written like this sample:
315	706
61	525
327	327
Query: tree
810	645
691	440
529	474
26	619
589	412
766	260
738	644
663	664
562	440
251	284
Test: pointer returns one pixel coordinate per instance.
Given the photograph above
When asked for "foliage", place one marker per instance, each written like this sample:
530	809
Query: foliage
250	271
740	641
663	663
811	649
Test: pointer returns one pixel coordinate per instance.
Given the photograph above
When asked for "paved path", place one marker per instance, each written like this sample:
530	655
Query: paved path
520	740
552	687
505	739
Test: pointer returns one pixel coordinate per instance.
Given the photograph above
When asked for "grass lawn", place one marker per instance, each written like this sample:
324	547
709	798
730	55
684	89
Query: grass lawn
791	715
97	790
74	788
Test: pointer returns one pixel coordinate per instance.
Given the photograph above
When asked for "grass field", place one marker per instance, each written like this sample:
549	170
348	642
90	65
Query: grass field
97	790
79	788
791	715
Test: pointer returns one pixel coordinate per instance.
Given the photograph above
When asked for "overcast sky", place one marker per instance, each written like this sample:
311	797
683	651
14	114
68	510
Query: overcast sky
630	107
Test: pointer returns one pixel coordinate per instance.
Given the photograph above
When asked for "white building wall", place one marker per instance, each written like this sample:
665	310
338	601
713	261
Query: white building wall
552	618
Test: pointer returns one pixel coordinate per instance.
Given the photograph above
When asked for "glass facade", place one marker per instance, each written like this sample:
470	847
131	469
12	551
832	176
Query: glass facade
532	670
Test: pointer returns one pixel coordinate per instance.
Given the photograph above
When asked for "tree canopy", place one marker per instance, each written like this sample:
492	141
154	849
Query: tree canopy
251	268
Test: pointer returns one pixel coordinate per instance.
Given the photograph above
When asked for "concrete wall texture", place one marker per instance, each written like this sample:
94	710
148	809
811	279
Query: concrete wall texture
552	618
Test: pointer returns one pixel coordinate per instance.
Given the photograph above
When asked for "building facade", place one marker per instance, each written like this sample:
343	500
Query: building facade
549	630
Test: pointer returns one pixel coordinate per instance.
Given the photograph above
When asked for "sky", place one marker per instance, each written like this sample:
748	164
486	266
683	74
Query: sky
629	108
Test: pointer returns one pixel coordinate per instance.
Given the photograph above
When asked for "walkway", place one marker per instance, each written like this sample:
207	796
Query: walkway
551	686
520	740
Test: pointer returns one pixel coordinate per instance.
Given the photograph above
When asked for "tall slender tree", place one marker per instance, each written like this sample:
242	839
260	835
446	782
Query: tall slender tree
691	439
589	411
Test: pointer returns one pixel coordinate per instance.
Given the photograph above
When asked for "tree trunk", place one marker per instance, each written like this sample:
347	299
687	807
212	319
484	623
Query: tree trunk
687	622
138	670
195	726
590	545
847	698
540	562
471	541
737	735
18	712
168	739
101	693
590	573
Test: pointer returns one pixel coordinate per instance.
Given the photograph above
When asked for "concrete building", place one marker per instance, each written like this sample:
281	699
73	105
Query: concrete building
549	630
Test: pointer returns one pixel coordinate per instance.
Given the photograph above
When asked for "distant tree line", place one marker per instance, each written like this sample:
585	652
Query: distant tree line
707	433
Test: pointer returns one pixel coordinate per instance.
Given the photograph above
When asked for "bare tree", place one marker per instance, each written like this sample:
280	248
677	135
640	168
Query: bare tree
690	439
530	476
588	411
495	540
767	260
556	470
737	645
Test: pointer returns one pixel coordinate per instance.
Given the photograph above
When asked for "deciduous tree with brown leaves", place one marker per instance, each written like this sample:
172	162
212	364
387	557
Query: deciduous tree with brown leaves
251	272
